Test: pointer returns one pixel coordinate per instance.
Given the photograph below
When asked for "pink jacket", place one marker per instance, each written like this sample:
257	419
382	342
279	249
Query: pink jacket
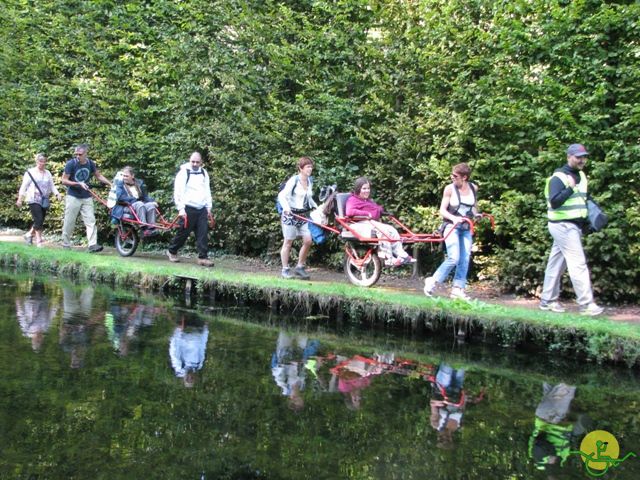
357	206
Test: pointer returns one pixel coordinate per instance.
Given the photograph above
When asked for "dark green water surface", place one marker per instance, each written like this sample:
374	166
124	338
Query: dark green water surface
103	384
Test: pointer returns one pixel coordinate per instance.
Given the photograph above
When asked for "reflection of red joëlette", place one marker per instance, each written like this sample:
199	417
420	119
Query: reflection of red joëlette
346	385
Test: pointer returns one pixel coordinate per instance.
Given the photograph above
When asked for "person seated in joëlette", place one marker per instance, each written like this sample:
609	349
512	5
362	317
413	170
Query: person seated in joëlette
131	193
360	205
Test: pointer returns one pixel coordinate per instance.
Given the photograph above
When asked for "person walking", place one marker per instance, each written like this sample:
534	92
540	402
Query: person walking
36	188
459	203
77	173
296	197
192	197
566	194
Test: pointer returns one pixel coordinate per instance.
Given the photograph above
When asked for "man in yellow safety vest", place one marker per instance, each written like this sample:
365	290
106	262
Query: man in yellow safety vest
566	194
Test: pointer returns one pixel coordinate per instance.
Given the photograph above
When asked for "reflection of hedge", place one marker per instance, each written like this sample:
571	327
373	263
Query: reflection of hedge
399	91
127	415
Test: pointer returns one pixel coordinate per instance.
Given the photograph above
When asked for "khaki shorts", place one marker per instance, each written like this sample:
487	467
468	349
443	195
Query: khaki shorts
298	229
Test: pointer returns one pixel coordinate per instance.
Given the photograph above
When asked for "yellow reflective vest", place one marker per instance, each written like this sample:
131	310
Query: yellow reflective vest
574	207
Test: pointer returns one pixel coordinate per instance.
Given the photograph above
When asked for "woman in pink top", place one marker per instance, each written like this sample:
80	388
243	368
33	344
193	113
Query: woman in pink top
360	205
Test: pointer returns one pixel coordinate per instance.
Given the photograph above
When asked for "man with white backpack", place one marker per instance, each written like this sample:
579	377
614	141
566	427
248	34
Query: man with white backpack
192	197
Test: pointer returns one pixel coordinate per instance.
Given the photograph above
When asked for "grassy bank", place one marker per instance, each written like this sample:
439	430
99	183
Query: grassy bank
598	339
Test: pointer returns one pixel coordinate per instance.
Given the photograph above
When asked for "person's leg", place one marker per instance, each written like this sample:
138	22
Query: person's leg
289	234
202	232
285	252
181	236
453	256
307	241
390	232
89	220
465	241
140	210
556	265
577	264
71	209
37	214
150	208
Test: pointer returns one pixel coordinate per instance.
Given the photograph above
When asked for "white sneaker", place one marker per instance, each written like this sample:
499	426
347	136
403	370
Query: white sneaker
591	309
551	306
429	286
458	294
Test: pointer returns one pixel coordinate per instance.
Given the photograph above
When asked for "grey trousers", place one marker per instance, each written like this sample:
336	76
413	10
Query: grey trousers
567	254
83	206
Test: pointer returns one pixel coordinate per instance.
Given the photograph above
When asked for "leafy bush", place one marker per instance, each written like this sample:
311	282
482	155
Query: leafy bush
399	91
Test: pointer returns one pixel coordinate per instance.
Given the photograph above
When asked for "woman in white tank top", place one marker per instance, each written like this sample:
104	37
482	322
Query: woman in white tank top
458	202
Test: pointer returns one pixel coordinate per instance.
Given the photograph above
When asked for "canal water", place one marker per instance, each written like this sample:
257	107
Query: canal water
99	384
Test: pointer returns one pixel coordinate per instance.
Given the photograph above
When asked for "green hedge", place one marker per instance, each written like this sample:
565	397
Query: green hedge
396	90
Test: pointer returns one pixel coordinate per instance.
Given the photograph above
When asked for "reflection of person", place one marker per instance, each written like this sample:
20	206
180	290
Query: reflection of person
550	441
354	375
296	197
36	188
77	174
566	192
122	323
360	205
459	202
289	364
187	350
76	322
132	193
192	196
447	406
35	314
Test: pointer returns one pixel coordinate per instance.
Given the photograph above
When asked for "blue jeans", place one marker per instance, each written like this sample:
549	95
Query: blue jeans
458	255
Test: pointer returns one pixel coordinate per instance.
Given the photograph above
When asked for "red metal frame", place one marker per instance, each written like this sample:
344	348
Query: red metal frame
407	236
161	222
425	371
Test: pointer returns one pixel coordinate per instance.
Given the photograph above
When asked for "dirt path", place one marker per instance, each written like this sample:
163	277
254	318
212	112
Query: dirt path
482	291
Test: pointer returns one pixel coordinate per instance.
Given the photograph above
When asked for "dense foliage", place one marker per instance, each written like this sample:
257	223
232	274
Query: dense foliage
398	90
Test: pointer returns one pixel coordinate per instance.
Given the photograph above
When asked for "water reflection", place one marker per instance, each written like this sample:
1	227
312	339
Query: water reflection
359	413
289	365
187	348
354	375
79	322
123	321
554	432
35	312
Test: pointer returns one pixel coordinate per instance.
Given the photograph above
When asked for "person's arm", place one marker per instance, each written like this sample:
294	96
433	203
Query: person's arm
175	353
312	202
26	180
66	178
208	198
101	177
54	189
179	185
559	192
144	195
474	209
286	193
444	206
351	210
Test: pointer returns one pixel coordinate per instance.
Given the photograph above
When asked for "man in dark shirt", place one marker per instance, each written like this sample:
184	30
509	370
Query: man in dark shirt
566	193
77	173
